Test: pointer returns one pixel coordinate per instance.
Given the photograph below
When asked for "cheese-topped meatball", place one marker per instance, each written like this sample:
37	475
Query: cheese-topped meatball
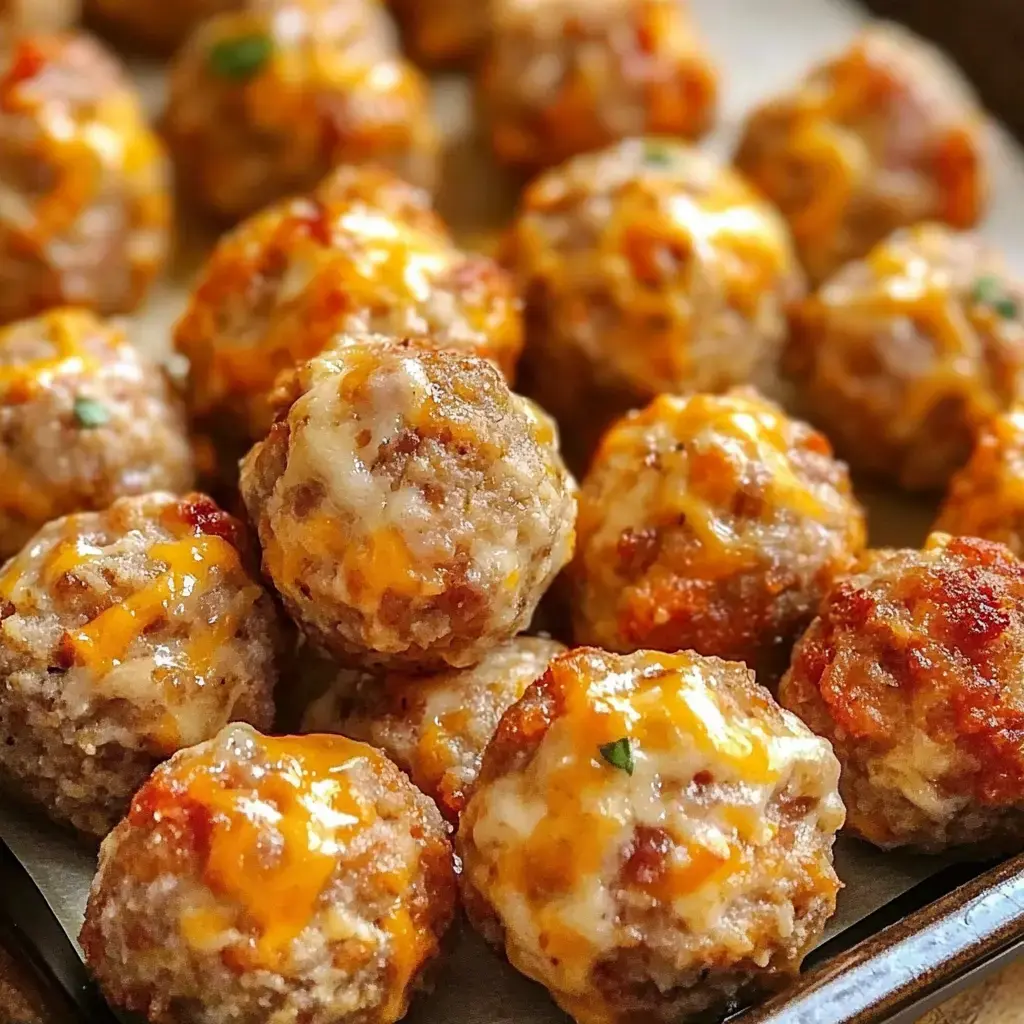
563	77
84	419
84	202
266	101
651	837
712	523
434	727
297	878
902	357
21	16
124	636
914	670
646	268
364	253
986	497
412	509
443	31
882	136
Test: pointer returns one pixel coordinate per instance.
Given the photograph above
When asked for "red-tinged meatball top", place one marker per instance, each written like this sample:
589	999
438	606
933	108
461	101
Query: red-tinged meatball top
259	879
914	670
882	136
713	523
651	837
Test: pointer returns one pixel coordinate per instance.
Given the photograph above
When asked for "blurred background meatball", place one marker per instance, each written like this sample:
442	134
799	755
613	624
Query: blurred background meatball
986	497
633	285
651	837
712	523
880	137
84	419
19	16
443	31
914	671
902	357
364	253
155	24
412	510
563	77
299	879
124	636
84	203
434	727
266	101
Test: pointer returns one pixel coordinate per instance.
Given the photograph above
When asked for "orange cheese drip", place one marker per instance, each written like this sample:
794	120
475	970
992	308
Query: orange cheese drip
19	380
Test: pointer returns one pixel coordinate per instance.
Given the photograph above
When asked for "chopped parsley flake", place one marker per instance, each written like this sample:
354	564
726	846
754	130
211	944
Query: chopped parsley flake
618	754
242	57
989	291
90	414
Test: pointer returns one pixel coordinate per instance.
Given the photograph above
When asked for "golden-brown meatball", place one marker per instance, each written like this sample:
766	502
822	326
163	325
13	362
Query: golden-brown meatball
914	671
126	635
84	419
880	137
645	268
443	31
412	510
265	102
902	357
434	727
563	77
21	16
84	203
651	837
711	523
257	879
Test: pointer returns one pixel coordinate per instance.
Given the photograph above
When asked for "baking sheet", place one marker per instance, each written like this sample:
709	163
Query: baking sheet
761	45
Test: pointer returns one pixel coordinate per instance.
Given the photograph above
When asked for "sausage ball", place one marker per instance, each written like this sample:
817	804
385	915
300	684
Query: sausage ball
443	31
880	137
903	357
646	268
651	837
914	671
436	727
563	77
20	16
265	102
986	498
85	210
711	523
84	419
364	254
300	878
124	636
412	509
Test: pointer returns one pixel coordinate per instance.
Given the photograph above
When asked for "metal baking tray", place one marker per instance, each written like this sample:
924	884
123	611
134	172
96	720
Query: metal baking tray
909	930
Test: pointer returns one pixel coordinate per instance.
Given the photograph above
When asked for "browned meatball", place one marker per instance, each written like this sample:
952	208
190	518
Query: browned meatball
124	636
434	727
645	268
651	837
84	203
877	138
712	523
84	419
265	102
257	879
901	358
914	671
563	77
155	24
443	31
412	510
20	16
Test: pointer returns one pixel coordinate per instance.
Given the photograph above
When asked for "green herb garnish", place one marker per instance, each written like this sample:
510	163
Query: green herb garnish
242	57
618	754
989	291
657	154
90	414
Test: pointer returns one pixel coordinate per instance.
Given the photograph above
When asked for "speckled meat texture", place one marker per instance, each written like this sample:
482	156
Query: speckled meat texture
651	837
903	357
124	636
364	253
563	77
84	204
266	101
434	727
412	510
301	880
18	16
443	31
712	523
882	136
645	268
84	419
913	671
